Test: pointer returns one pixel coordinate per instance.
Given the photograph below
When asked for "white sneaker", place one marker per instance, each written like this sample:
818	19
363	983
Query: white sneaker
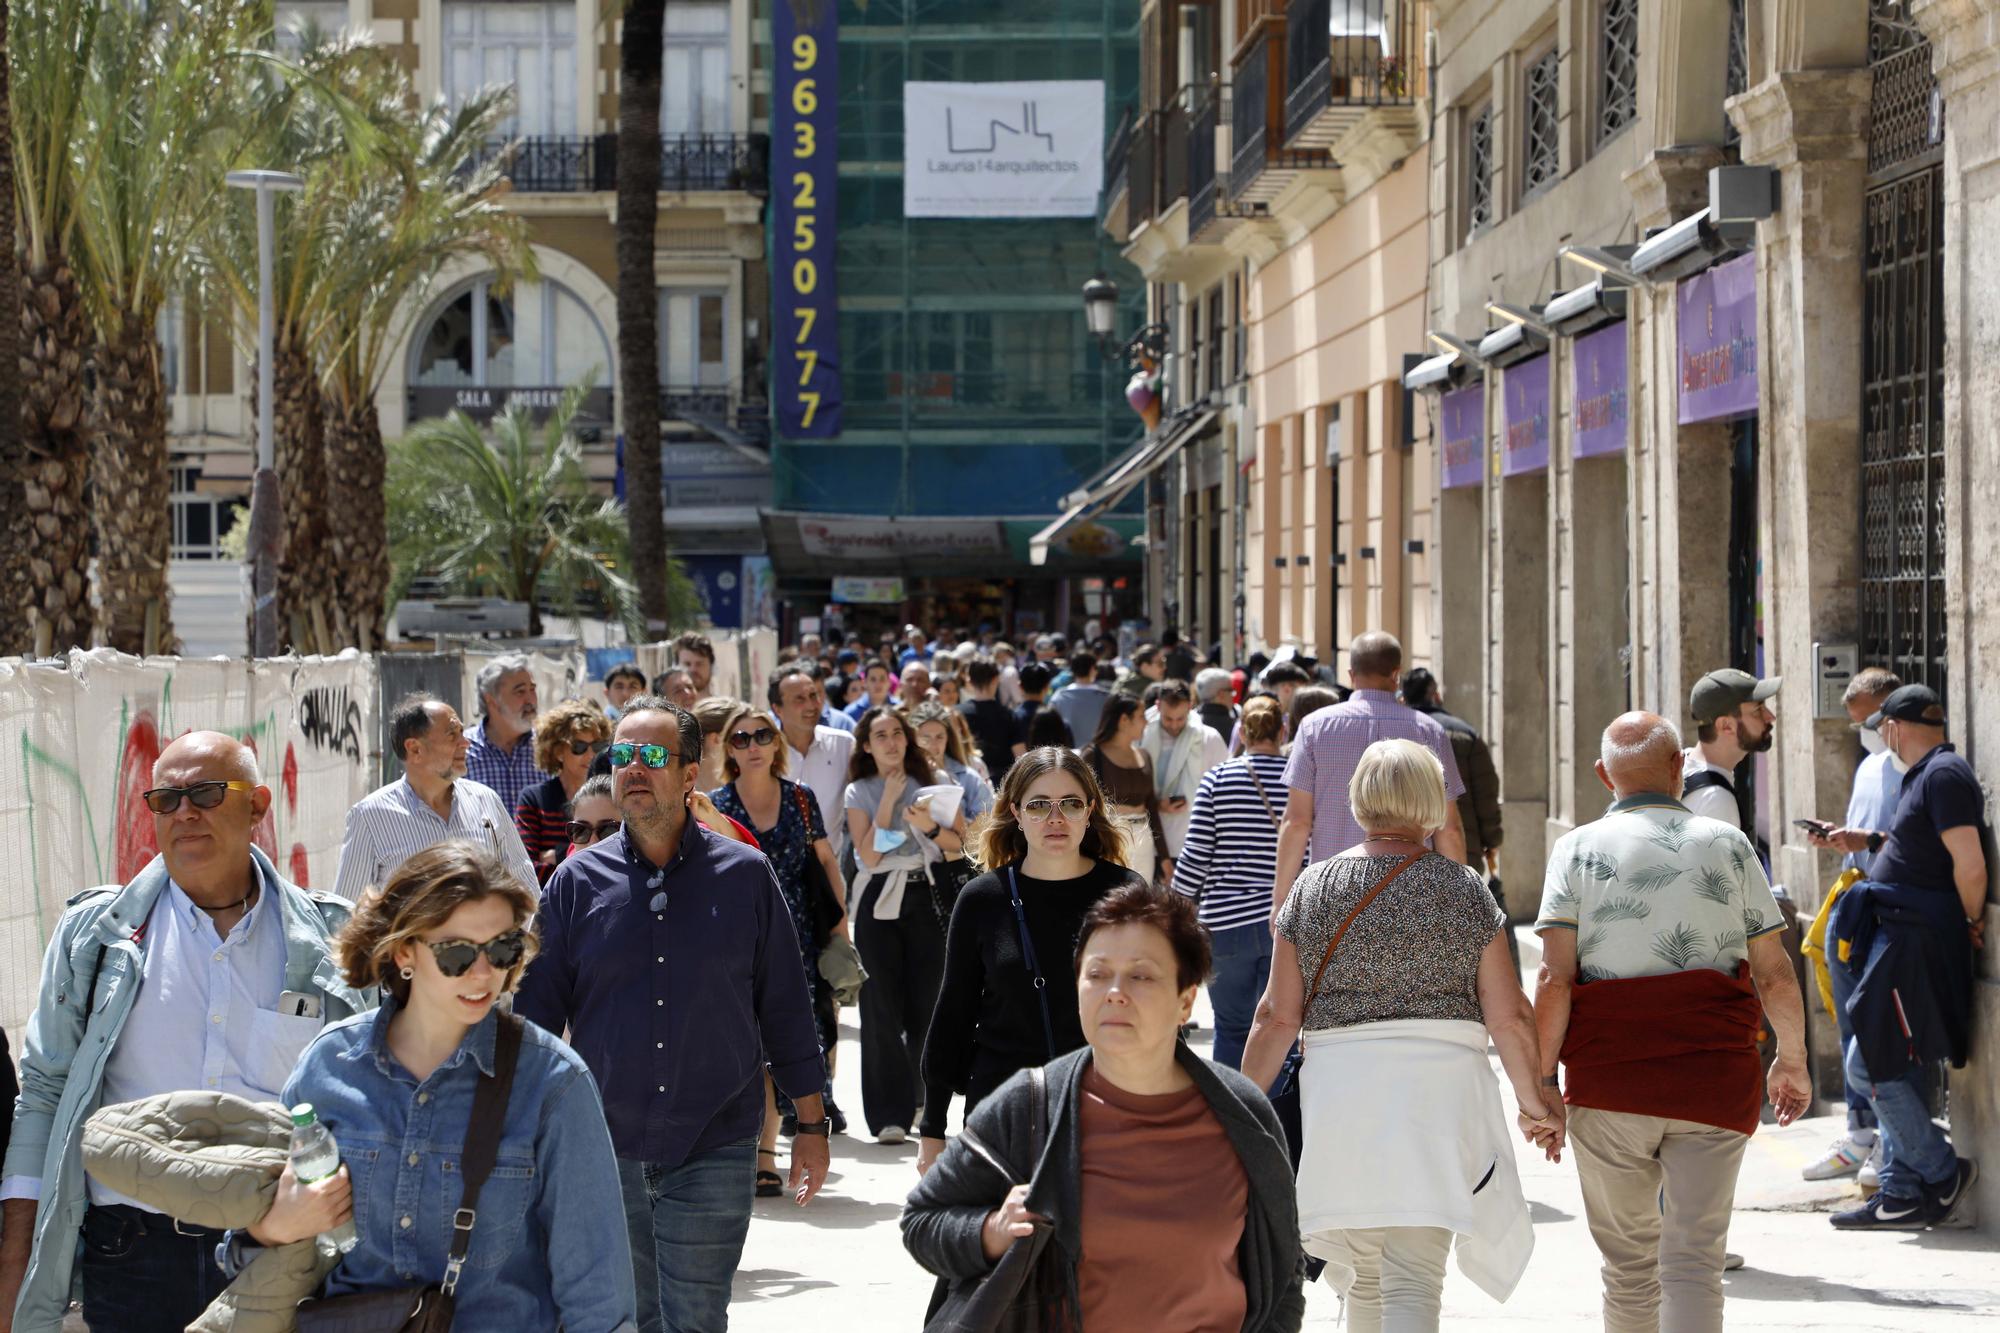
1869	1177
1844	1158
893	1134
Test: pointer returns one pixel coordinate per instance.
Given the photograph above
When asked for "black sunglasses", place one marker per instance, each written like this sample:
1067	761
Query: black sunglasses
204	796
743	740
581	832
652	756
456	957
589	747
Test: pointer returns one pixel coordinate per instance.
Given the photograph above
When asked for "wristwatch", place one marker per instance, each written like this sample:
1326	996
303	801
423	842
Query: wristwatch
818	1129
1875	841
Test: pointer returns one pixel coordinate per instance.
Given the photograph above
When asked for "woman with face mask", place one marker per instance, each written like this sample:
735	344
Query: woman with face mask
898	927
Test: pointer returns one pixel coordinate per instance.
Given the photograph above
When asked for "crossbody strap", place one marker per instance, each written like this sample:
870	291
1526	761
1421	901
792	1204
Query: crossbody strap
1028	958
1269	812
482	1141
1359	907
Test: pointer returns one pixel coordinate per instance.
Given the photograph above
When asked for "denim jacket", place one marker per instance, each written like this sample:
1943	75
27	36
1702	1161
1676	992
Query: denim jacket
92	959
548	1246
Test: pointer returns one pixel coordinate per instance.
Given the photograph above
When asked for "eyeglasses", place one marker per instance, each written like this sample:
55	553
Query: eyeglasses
204	795
589	747
582	833
652	756
456	957
743	740
1073	808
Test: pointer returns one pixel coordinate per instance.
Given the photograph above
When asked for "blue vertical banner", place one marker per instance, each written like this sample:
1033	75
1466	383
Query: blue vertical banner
805	154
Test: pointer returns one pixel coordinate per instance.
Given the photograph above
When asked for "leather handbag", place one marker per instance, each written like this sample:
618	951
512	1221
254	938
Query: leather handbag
948	878
984	1304
429	1309
825	906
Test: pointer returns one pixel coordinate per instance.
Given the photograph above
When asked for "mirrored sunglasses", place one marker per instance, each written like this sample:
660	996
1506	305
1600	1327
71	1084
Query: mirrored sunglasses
456	957
652	756
1073	808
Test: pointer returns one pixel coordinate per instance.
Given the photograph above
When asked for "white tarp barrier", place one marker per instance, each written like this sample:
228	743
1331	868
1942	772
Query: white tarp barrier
1003	150
77	748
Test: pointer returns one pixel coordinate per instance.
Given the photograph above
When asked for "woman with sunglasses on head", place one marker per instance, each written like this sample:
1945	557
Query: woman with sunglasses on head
786	820
593	814
897	923
1125	772
932	722
568	739
446	938
712	715
1008	999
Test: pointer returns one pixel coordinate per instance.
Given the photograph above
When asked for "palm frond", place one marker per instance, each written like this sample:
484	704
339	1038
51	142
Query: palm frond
1654	879
1679	947
1670	834
1597	865
1620	909
1715	886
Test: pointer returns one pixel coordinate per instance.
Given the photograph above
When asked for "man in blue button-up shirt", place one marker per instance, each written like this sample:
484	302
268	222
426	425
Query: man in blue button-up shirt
669	954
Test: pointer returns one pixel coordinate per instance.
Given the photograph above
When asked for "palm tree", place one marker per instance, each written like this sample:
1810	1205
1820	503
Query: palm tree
15	592
165	107
508	513
639	60
407	212
51	47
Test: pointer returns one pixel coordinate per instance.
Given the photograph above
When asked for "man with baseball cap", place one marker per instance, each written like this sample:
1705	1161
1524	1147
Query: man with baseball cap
1732	722
1907	934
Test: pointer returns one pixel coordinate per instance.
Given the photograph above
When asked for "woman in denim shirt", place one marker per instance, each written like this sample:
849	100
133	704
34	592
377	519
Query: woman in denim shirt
396	1087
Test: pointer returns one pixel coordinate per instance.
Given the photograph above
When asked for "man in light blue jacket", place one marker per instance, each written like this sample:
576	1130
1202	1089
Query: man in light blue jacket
207	971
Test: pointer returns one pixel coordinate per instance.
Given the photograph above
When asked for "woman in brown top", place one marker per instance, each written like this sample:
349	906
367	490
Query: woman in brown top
1162	1178
1125	772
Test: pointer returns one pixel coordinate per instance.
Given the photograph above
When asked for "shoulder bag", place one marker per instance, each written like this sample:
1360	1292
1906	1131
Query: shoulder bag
986	1304
826	909
429	1309
1028	961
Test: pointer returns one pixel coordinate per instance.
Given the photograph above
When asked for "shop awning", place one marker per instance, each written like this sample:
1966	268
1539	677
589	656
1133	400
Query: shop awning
1113	484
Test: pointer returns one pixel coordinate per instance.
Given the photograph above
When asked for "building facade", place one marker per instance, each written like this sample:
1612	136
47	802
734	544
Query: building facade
972	397
1274	194
475	348
1707	335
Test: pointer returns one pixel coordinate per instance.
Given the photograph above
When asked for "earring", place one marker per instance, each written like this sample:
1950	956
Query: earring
409	972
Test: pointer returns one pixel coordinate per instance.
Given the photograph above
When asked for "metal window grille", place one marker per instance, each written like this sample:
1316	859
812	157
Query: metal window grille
1540	133
1906	111
1479	170
1618	52
1736	79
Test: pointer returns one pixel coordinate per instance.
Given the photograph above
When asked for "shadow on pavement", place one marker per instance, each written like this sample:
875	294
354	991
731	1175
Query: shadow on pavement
770	1284
1754	1284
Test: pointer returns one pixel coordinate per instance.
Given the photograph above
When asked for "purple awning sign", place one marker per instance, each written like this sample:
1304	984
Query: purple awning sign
1717	312
1598	400
1524	418
1464	412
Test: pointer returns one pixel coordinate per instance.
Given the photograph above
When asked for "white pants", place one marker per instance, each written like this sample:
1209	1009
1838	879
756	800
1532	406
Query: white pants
1398	1278
1140	854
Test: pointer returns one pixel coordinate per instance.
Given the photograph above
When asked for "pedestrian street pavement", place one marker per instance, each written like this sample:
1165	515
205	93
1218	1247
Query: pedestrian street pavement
839	1264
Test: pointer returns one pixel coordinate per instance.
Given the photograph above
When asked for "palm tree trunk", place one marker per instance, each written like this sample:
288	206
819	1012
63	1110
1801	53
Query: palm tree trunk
17	593
357	534
638	300
55	539
298	427
130	492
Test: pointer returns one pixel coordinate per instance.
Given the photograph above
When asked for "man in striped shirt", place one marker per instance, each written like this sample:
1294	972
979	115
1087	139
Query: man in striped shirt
1330	744
432	802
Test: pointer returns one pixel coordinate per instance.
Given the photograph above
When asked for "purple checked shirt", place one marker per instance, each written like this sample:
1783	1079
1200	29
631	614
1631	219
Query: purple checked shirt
676	1009
1329	745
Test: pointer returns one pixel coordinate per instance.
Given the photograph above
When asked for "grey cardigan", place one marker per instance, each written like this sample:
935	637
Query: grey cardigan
942	1220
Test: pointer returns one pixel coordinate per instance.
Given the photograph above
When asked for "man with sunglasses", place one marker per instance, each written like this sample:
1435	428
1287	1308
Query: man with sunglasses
669	955
433	801
207	972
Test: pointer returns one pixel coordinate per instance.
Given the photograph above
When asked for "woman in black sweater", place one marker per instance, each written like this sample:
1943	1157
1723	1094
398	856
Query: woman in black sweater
1051	852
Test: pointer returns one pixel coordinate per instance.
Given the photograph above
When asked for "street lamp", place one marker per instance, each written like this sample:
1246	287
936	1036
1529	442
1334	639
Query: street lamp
265	517
1100	306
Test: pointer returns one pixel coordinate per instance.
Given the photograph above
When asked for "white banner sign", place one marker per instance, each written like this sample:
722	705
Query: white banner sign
1003	150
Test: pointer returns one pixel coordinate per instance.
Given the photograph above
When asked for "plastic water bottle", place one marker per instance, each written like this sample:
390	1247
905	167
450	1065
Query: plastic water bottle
315	1156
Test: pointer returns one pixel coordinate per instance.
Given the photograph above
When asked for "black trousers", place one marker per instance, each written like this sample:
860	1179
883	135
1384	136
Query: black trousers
141	1274
905	962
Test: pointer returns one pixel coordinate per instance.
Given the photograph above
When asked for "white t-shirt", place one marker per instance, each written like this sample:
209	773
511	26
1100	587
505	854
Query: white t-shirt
1716	802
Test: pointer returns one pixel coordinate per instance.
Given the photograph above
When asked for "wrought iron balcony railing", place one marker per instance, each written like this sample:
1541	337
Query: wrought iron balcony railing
1343	58
551	164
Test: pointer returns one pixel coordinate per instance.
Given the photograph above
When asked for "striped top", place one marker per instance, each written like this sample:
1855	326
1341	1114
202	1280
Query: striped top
1230	857
541	817
508	772
390	825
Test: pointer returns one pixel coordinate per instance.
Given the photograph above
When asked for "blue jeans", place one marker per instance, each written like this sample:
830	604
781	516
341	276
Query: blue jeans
1860	1112
1915	1152
1242	966
142	1274
687	1225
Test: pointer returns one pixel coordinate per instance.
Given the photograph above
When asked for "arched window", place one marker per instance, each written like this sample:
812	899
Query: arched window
539	336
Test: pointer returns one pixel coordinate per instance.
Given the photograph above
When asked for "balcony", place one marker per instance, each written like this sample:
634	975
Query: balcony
689	163
1261	164
1117	156
728	412
1142	171
1348	60
1212	214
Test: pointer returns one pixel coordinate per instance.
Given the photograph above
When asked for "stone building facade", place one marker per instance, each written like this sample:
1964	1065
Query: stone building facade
1675	440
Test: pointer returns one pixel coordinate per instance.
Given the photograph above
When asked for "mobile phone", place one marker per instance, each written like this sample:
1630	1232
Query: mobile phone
1819	826
298	1004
